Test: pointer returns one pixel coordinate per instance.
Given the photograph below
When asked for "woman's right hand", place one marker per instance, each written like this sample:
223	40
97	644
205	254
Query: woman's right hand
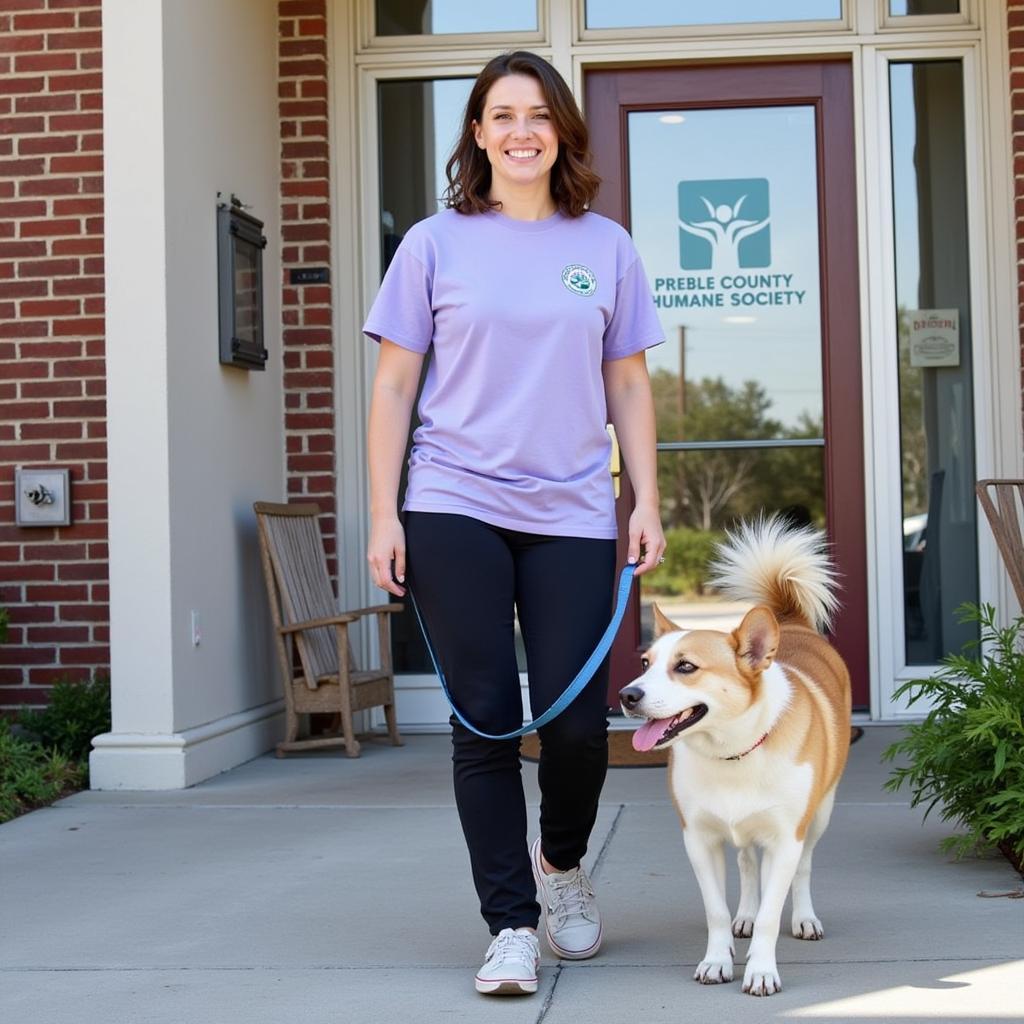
387	547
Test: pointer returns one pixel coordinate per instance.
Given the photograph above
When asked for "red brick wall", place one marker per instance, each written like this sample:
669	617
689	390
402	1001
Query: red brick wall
1015	18
53	581
305	230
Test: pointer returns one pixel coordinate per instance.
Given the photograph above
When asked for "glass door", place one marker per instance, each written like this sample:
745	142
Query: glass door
752	262
738	387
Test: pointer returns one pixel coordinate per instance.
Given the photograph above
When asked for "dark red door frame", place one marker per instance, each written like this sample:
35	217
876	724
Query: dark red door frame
827	86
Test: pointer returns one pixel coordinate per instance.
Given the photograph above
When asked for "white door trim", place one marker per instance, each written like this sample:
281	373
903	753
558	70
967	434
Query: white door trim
996	412
869	42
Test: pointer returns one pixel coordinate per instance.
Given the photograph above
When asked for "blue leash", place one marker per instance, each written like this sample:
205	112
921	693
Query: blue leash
571	692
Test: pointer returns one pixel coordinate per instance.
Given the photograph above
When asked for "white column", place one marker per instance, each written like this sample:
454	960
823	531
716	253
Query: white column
190	94
137	396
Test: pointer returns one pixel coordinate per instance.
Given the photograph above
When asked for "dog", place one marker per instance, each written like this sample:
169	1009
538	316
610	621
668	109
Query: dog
757	723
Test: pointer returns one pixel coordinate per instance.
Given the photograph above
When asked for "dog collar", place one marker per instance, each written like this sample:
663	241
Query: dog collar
736	757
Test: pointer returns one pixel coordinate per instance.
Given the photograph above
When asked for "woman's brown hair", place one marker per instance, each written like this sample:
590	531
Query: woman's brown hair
573	183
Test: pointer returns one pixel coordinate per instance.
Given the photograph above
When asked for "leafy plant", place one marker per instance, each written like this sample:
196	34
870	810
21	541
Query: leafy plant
687	554
4	619
31	776
77	712
967	756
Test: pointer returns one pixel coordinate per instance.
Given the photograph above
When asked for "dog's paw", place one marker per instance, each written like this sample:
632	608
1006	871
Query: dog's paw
742	926
713	971
761	979
808	928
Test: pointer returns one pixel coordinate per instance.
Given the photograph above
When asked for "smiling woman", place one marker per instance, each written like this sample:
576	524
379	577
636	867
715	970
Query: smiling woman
521	129
517	133
536	314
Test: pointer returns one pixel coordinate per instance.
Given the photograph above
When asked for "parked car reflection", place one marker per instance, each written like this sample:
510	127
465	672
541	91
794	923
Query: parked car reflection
914	528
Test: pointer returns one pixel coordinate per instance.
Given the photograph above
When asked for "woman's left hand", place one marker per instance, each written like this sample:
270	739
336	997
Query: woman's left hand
645	532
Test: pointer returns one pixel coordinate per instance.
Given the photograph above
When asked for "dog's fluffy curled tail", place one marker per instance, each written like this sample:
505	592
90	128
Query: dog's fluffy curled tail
785	567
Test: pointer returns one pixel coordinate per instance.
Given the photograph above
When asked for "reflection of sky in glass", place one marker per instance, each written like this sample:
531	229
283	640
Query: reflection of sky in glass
449	96
899	7
474	16
904	182
780	347
650	13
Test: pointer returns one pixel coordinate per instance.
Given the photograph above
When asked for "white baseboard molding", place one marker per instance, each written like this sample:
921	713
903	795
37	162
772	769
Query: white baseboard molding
147	761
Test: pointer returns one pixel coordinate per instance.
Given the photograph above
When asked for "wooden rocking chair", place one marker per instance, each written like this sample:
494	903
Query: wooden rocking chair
1005	521
306	618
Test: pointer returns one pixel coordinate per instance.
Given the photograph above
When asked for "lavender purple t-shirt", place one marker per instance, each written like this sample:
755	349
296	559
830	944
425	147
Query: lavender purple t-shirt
520	315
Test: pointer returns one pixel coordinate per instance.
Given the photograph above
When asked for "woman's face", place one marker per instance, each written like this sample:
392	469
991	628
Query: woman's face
516	131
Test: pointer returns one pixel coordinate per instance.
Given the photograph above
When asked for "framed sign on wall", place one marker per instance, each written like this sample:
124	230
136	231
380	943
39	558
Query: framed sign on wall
240	245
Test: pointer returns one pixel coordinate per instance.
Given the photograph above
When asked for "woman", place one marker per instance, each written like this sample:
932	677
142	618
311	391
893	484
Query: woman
538	313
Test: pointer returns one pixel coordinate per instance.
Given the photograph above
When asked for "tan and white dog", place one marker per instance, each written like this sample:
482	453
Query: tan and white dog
758	721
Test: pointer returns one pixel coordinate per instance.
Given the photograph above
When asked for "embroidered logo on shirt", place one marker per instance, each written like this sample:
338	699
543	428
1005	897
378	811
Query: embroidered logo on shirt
579	279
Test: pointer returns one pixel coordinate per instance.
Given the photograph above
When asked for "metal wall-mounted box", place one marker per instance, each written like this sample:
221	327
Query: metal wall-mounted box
240	245
42	497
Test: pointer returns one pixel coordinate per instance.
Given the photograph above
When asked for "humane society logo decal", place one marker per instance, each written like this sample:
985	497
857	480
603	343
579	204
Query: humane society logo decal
579	279
725	227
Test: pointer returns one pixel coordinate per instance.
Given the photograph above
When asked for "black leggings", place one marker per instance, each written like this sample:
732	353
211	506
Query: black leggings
467	576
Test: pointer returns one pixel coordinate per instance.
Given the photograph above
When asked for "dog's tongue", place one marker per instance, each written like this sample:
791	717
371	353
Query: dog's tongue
649	733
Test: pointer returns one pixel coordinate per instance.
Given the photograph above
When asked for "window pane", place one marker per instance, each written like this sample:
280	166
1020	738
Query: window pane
419	123
703	494
247	297
658	13
940	568
726	220
899	8
437	17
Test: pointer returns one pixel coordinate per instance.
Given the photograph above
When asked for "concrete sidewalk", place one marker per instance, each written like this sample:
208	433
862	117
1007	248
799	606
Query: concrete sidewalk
320	889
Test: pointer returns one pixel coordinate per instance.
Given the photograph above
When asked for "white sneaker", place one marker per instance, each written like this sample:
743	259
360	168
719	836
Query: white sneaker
571	918
510	968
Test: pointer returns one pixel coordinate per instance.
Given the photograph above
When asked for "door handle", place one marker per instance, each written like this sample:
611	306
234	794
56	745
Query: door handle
615	462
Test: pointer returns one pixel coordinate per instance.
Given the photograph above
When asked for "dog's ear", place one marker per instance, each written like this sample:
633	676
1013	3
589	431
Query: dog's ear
663	624
757	640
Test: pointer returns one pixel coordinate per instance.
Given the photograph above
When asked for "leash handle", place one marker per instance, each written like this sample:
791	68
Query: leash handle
571	692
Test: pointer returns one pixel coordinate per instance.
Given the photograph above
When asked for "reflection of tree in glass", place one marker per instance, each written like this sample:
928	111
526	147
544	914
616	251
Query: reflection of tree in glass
787	477
724	232
913	441
699	486
705	492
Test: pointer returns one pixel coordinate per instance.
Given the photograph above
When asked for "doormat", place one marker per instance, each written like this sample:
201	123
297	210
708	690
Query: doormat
622	755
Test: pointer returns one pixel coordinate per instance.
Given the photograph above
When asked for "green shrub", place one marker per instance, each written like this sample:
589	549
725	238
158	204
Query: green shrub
687	554
967	756
77	711
4	619
31	776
